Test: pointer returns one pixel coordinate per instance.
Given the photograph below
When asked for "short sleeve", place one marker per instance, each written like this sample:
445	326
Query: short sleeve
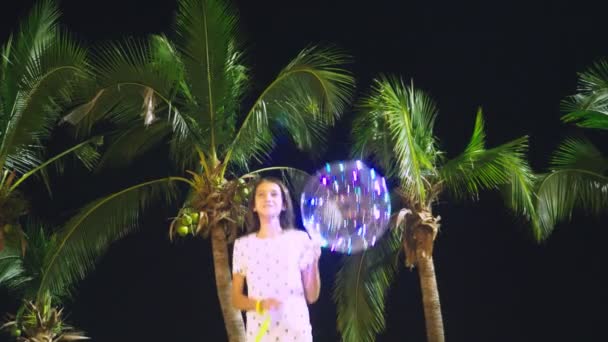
239	261
309	252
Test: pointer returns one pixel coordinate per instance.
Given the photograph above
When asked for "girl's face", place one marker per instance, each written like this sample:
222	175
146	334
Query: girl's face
268	199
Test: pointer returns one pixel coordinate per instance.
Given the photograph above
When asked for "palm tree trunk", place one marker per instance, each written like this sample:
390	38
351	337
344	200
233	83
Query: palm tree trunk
233	320
430	299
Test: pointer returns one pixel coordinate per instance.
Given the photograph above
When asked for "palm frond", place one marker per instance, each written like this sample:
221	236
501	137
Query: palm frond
85	236
361	288
135	79
133	142
92	104
589	108
12	273
577	180
39	240
205	37
141	79
560	192
85	151
579	154
190	137
183	151
519	192
25	159
306	97
164	56
137	64
34	34
222	128
372	139
478	168
595	77
20	268
408	114
503	168
588	118
7	85
44	67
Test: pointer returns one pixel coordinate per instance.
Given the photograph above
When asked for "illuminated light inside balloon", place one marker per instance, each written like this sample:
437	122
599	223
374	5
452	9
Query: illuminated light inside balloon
347	206
376	213
350	249
324	243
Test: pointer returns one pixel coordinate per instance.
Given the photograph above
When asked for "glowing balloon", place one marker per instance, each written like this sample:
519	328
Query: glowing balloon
346	205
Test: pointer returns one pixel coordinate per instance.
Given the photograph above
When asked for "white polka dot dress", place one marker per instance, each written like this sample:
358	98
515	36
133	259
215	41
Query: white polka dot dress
272	269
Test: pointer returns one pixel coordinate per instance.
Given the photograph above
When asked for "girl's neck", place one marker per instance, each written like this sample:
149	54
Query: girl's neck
269	227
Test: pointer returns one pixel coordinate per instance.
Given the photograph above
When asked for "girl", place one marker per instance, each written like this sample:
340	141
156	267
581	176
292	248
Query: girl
280	265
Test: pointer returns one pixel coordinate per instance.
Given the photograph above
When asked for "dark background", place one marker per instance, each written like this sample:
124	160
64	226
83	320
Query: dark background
516	60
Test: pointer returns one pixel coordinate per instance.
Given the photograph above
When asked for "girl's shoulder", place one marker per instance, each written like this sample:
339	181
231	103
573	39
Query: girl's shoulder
244	238
296	233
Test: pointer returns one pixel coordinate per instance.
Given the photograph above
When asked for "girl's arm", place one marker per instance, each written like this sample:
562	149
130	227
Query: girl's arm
239	300
311	281
244	303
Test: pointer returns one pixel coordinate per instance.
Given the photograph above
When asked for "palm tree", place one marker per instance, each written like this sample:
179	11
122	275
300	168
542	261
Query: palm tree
395	127
39	67
578	173
39	318
190	90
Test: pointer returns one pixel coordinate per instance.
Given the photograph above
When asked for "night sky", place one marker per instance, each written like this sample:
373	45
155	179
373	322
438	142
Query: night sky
516	61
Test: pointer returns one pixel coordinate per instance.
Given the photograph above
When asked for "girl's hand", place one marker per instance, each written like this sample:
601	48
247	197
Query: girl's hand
317	242
270	304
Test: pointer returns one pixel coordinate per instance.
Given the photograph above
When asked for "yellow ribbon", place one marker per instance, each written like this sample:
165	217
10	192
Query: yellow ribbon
264	327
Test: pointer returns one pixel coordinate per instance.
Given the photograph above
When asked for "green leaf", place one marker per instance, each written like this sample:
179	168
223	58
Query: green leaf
135	81
18	271
205	32
579	154
588	119
85	151
41	67
25	159
205	38
405	116
34	34
372	138
133	142
477	168
577	180
589	107
361	288
306	97
503	168
86	235
12	273
560	192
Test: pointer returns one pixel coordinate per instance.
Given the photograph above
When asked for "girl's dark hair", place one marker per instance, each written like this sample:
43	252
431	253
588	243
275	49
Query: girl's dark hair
286	218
